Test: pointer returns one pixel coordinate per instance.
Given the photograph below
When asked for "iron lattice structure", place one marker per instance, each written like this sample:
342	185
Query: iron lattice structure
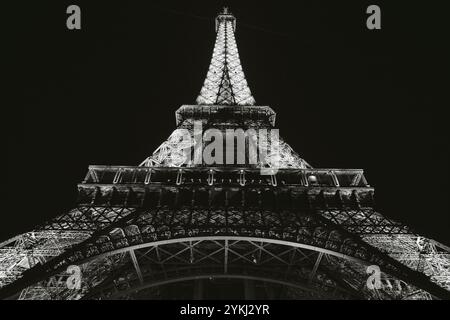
311	232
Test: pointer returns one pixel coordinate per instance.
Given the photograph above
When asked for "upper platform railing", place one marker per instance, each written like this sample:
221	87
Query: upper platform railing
125	175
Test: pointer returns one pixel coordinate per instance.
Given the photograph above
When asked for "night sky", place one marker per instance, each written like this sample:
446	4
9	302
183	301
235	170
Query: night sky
346	97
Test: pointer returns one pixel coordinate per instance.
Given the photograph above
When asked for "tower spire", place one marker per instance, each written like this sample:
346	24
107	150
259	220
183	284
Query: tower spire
225	82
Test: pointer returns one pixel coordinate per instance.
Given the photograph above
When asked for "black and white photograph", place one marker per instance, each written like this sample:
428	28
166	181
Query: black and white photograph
226	155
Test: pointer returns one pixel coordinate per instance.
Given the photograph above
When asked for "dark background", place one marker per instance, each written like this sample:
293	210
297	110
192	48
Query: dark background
346	97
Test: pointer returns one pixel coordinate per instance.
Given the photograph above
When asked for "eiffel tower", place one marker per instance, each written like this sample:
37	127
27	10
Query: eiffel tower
277	228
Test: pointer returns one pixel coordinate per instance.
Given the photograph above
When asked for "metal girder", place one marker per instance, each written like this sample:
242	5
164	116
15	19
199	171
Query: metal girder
316	265
135	231
325	271
34	248
418	253
176	152
225	260
235	242
136	266
174	268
